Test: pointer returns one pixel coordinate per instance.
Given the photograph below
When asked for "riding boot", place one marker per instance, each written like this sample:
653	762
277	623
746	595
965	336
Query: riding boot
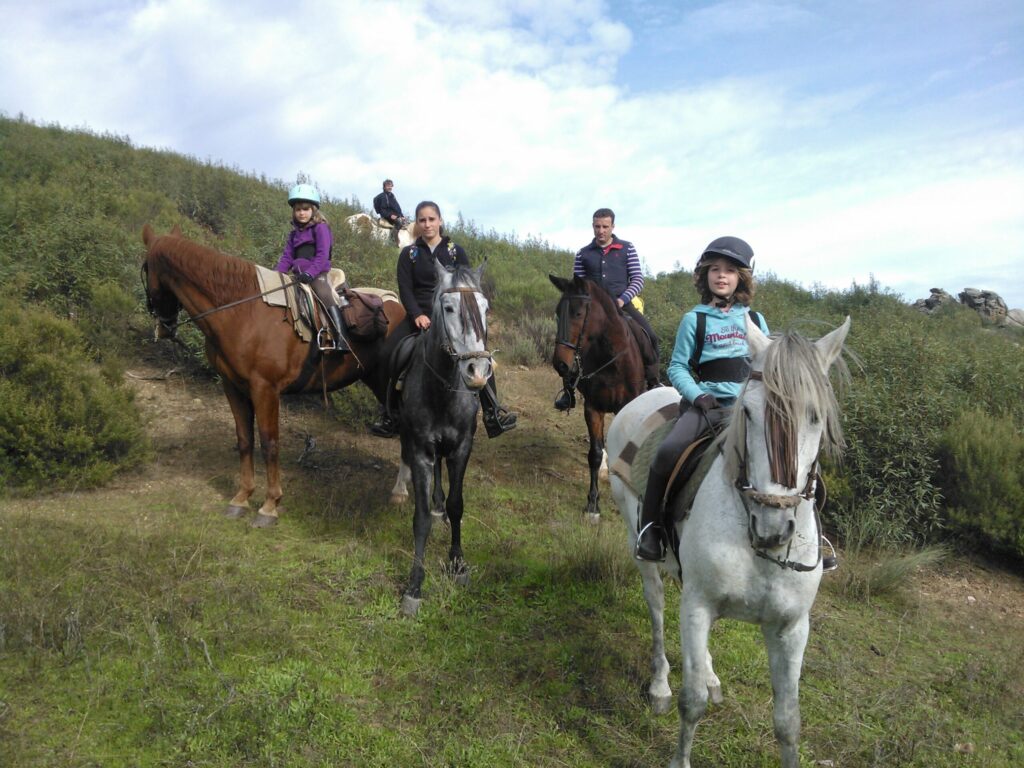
497	419
650	543
566	400
386	425
338	330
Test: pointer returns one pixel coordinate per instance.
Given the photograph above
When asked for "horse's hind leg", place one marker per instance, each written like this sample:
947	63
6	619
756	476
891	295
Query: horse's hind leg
400	493
659	691
242	410
785	658
595	456
268	406
454	508
437	506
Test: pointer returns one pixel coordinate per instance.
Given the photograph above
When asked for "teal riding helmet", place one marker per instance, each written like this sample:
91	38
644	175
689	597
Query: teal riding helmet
304	192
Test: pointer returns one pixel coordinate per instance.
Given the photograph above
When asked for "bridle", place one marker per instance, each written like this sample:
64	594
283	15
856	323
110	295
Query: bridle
576	374
448	347
750	495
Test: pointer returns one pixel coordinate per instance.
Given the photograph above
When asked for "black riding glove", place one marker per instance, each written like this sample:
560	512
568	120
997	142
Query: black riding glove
305	278
705	402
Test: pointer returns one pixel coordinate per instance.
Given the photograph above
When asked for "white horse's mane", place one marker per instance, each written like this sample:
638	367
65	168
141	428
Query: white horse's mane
795	397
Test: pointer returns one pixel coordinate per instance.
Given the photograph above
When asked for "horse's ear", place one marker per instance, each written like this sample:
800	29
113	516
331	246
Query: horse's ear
444	275
832	344
148	235
756	340
559	282
176	231
478	273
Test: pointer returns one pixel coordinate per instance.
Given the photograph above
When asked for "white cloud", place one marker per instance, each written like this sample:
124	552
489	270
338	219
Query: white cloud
512	113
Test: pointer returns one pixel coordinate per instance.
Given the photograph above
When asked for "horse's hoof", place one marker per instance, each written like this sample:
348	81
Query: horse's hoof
715	694
398	498
264	521
661	705
593	518
410	605
235	512
462	577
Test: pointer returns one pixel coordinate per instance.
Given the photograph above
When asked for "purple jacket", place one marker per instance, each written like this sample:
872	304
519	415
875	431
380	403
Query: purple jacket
307	250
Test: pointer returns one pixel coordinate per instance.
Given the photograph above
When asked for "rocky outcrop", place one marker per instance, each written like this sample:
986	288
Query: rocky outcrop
988	304
937	299
1015	319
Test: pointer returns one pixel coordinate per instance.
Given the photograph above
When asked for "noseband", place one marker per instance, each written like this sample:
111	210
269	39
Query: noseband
750	495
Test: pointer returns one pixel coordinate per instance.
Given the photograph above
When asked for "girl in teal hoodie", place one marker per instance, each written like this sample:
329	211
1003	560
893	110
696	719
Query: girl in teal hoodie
708	367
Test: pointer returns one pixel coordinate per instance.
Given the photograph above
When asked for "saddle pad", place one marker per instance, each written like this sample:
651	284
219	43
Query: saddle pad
645	438
270	280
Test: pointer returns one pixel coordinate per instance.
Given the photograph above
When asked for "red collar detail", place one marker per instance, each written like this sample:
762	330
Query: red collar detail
613	246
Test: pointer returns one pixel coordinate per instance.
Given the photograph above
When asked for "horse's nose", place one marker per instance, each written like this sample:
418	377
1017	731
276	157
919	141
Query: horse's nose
561	368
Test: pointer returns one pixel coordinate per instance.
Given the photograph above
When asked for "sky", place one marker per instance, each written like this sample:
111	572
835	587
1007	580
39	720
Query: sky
845	140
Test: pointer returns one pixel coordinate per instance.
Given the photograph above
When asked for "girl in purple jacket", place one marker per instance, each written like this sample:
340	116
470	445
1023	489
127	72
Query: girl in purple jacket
307	256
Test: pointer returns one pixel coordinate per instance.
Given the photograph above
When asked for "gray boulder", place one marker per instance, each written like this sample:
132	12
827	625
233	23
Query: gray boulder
988	304
1015	319
938	298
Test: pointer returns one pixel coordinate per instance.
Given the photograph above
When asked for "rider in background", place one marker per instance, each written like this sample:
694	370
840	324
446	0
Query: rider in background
615	266
307	255
416	282
387	207
724	277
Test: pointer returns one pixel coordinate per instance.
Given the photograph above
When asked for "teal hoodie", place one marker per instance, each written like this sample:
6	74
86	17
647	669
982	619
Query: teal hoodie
725	336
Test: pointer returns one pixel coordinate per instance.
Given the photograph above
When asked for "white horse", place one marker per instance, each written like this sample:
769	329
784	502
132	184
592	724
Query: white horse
370	226
750	546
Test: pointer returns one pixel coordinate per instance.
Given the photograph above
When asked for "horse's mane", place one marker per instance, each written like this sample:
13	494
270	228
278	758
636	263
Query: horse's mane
796	387
219	274
469	311
602	297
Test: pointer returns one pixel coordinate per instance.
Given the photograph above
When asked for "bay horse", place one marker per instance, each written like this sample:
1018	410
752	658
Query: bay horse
450	364
597	354
750	546
251	345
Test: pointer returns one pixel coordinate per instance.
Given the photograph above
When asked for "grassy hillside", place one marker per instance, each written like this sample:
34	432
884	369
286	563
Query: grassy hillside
139	628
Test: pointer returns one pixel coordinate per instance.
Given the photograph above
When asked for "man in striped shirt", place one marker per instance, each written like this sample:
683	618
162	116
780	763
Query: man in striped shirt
615	266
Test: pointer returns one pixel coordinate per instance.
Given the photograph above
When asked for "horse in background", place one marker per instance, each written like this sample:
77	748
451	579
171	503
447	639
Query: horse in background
597	354
750	546
440	398
251	345
370	226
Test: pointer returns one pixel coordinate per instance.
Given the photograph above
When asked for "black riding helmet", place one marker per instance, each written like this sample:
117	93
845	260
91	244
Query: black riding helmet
730	247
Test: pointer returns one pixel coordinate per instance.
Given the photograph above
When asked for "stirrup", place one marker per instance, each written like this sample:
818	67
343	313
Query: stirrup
661	543
499	422
324	340
829	562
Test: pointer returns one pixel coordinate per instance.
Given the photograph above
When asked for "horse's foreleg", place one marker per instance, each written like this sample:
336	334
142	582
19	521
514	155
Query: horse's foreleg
454	508
595	456
785	659
695	624
242	410
400	493
422	471
268	406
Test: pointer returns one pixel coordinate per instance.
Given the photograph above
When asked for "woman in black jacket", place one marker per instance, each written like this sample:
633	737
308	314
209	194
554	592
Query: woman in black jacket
416	282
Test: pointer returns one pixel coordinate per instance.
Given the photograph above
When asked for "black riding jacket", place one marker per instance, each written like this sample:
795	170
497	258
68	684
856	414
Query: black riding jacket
416	276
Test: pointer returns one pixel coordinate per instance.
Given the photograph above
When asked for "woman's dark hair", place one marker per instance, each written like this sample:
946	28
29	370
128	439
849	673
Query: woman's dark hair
436	207
745	288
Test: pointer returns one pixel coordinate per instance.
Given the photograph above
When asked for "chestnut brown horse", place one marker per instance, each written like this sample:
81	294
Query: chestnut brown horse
251	345
597	354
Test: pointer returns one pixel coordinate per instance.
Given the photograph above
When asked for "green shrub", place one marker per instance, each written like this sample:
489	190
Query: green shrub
982	459
62	425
